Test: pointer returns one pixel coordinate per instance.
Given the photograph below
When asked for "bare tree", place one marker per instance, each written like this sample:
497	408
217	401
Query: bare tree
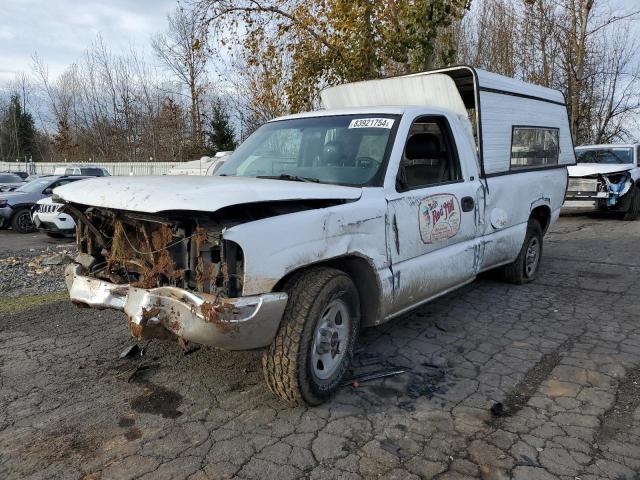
183	50
582	47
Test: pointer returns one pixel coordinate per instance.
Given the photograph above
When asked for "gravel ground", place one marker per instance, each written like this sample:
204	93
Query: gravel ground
34	271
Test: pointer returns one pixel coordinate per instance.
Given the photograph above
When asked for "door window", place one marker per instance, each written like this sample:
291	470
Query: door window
430	156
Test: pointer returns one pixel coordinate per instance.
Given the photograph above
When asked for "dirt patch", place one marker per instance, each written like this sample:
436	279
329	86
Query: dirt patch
620	415
65	445
29	302
157	400
524	390
132	434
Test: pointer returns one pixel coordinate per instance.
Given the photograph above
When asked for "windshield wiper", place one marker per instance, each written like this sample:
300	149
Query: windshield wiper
287	176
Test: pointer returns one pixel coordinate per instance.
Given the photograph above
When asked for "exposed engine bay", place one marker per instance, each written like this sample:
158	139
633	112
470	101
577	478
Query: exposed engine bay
178	249
148	251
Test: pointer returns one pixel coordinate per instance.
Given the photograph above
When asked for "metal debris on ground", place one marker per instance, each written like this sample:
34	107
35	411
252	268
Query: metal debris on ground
497	409
131	351
355	381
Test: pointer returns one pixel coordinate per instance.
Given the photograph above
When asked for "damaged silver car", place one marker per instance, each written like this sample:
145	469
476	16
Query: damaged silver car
326	222
606	177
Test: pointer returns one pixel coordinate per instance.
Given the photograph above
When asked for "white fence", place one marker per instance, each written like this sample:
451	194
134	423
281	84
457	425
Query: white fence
124	168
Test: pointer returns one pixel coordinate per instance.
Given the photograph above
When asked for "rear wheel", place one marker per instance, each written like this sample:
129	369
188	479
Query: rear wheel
308	359
21	221
525	267
634	206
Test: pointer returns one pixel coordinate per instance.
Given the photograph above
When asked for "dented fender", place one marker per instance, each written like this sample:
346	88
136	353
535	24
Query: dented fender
275	246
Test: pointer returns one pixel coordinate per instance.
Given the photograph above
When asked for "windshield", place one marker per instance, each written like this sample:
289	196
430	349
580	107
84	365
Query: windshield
34	186
10	179
605	155
344	150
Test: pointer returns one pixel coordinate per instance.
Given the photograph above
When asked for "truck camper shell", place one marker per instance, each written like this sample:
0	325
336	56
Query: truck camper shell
495	105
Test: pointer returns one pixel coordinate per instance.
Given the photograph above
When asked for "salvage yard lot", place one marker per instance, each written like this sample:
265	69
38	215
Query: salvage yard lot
558	360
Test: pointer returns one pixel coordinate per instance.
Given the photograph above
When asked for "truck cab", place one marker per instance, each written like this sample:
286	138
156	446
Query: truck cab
323	223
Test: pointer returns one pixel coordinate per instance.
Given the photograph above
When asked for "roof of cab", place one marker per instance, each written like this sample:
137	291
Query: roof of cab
373	110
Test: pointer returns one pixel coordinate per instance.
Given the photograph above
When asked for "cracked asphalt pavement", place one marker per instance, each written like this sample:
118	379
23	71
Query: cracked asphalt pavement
530	382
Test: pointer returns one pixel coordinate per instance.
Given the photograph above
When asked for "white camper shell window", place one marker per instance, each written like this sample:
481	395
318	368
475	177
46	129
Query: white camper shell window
534	147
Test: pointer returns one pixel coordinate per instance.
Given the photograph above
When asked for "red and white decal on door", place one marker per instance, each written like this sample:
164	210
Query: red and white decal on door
439	217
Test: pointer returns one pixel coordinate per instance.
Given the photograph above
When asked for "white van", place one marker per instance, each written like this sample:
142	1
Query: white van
326	222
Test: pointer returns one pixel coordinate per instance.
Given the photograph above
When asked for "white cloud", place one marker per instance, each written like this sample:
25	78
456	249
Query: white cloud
59	31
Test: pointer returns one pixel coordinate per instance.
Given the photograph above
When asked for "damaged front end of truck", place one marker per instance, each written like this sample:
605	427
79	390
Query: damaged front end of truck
173	274
609	191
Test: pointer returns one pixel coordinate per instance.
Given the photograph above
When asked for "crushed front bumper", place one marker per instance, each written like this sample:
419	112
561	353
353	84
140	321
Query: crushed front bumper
168	312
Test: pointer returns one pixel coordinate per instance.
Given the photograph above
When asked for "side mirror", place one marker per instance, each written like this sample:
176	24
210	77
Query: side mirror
48	191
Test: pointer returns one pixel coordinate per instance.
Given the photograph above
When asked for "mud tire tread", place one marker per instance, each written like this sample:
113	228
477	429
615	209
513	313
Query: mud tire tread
282	360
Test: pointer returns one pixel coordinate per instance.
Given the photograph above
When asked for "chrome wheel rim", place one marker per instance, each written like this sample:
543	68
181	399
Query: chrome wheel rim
532	257
330	339
24	221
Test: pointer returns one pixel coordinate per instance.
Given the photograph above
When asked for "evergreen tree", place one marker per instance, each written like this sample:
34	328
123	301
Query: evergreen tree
220	134
18	131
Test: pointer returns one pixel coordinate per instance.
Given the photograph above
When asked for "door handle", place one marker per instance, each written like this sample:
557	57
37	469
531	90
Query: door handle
467	204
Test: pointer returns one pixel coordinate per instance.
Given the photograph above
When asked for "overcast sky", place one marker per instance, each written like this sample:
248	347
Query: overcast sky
61	30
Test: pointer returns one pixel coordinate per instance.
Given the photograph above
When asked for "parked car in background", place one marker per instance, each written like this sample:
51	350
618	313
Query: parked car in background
10	181
204	166
326	222
87	170
15	206
21	174
606	177
48	219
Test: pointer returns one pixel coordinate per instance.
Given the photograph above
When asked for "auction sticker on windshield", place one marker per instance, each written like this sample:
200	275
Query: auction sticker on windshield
371	123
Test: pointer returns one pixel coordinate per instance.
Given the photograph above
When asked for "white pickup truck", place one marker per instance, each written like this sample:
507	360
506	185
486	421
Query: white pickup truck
326	222
606	177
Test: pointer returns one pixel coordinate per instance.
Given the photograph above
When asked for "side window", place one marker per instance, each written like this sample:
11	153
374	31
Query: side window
638	155
430	156
533	147
60	183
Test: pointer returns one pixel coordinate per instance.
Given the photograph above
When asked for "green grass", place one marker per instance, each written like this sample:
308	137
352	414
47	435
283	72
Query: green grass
20	304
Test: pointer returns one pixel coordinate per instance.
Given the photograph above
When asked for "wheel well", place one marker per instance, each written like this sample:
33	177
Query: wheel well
543	215
364	278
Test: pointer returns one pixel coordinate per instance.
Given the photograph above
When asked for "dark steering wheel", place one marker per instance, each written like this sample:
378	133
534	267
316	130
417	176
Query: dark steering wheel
367	162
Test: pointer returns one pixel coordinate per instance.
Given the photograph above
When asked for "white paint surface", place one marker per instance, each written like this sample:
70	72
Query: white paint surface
193	193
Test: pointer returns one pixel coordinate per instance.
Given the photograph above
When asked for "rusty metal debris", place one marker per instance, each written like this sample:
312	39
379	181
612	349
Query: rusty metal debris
218	314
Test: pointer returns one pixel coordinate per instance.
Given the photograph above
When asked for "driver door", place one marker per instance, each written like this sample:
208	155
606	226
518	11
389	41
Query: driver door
432	228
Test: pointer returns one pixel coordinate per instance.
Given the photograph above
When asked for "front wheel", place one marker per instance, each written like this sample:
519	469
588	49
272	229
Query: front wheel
21	221
308	359
634	208
525	267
